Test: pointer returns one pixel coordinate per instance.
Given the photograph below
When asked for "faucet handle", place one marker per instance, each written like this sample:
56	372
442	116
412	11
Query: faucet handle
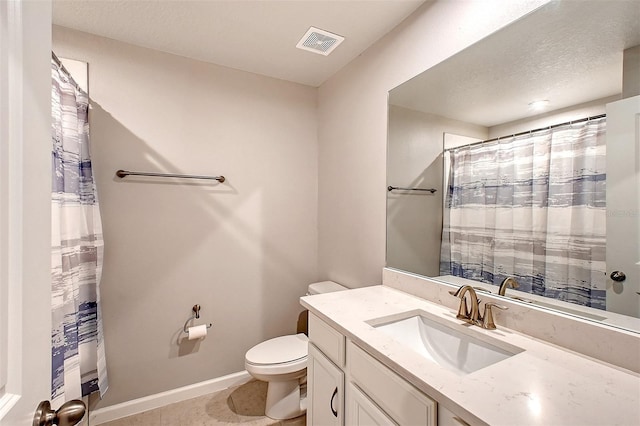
487	317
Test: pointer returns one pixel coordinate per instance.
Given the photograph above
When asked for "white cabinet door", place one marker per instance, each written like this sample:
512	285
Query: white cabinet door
447	418
325	392
405	404
361	411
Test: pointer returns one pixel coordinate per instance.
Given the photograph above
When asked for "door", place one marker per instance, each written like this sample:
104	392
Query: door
25	186
325	392
362	411
447	418
623	205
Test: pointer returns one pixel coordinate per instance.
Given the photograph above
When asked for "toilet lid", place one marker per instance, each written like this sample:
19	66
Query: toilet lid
279	350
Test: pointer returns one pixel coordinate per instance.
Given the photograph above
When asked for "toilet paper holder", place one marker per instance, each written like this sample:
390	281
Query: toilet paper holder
196	315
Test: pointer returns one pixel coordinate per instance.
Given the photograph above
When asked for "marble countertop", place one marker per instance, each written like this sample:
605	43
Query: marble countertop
543	385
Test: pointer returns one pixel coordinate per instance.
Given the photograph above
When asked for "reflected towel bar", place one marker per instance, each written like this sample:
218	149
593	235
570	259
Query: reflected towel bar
391	188
123	173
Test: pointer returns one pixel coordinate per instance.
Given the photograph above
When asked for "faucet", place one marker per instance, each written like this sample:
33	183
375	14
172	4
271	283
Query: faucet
463	310
507	282
473	317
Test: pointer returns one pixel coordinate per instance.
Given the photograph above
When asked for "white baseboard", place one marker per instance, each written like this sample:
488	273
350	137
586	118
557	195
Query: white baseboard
135	406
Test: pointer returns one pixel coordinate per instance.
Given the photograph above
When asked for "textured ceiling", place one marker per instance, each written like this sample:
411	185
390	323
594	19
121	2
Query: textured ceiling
254	36
567	52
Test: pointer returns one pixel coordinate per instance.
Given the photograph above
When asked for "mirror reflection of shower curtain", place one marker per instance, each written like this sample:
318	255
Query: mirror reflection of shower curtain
532	207
78	360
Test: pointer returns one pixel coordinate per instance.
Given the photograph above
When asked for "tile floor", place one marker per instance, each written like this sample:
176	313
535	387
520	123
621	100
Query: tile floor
242	405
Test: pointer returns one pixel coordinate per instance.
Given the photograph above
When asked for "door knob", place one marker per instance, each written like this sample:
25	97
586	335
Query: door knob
69	414
618	276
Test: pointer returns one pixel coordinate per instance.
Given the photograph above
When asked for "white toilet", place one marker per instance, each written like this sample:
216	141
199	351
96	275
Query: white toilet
282	362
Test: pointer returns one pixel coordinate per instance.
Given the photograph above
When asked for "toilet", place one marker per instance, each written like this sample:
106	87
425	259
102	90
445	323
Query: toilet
282	363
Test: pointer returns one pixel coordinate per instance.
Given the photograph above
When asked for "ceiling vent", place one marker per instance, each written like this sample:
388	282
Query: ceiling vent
319	41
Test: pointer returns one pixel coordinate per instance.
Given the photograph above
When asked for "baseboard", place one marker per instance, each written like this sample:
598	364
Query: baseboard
135	406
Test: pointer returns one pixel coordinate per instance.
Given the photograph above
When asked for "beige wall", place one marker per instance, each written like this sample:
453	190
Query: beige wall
352	128
245	250
414	159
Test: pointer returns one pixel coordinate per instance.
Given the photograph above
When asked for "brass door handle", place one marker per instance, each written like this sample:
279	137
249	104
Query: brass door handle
69	414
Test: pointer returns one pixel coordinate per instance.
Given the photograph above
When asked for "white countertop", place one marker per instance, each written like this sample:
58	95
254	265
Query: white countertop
543	385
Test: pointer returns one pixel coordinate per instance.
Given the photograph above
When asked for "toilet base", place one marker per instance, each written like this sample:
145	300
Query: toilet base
284	400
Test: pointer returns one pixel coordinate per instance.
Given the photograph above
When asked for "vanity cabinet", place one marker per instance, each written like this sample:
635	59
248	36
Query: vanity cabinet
325	391
375	395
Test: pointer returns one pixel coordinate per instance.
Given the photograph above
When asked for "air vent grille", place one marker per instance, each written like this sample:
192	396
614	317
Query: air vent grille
319	41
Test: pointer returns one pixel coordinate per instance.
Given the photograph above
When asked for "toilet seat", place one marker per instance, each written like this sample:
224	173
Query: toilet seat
280	355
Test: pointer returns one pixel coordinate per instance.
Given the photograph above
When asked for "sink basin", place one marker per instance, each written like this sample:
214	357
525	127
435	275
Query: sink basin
453	348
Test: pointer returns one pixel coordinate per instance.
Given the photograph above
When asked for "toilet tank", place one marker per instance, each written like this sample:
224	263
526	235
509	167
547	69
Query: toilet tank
316	288
324	287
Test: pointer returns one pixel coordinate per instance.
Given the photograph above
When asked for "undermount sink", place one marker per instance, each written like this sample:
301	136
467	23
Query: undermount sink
453	348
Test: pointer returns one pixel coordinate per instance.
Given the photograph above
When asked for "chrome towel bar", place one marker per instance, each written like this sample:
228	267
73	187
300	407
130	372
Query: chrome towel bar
123	173
391	188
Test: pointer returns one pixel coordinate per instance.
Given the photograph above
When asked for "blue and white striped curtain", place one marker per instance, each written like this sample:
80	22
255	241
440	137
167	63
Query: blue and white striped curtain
78	361
531	207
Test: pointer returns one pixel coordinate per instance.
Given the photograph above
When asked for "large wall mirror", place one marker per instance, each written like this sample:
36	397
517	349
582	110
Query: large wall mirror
520	157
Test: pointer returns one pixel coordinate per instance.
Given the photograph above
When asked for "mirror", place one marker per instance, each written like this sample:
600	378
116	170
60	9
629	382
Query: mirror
567	53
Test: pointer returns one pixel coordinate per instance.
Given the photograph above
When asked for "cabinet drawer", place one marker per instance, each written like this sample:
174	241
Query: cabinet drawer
400	400
328	340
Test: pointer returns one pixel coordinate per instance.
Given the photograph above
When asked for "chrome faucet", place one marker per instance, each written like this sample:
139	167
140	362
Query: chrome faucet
507	282
472	316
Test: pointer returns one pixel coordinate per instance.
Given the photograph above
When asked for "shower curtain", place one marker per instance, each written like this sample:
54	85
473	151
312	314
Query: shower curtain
78	360
531	207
